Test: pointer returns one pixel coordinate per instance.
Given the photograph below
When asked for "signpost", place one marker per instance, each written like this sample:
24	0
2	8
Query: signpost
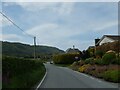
76	58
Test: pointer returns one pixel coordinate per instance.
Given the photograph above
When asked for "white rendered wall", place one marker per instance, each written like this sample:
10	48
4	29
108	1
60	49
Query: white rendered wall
106	40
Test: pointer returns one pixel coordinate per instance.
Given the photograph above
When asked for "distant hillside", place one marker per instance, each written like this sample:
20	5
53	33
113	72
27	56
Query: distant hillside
25	50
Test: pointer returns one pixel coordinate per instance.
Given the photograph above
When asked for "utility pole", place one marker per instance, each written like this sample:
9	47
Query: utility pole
34	48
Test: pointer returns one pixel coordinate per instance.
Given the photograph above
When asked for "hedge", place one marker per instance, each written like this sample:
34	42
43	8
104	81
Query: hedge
108	58
21	73
65	58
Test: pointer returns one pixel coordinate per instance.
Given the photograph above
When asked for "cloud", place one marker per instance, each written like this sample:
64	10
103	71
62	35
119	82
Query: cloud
52	33
35	6
58	7
60	1
65	24
63	36
53	30
66	8
10	37
4	22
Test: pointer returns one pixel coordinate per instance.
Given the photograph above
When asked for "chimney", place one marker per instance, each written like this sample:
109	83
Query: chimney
73	47
96	41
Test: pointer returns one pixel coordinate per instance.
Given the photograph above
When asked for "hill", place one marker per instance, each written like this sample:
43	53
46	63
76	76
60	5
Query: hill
25	50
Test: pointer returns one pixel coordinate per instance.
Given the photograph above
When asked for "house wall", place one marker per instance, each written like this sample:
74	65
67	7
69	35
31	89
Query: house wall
106	40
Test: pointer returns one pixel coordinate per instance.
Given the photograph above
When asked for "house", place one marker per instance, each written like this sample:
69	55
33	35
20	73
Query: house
72	50
91	47
107	39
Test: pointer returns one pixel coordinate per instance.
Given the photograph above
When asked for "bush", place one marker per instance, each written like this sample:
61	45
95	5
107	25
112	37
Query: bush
113	76
85	54
99	54
98	61
108	58
84	68
89	61
116	61
81	62
65	58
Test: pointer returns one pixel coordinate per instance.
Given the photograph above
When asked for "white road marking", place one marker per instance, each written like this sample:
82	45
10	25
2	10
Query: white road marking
42	80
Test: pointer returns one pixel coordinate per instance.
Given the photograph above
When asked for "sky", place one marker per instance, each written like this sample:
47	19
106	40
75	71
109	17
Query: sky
59	24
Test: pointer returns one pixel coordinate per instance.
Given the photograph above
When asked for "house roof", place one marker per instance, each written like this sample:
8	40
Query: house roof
91	47
70	50
112	37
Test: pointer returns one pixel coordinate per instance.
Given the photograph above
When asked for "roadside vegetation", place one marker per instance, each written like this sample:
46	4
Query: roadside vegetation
65	58
104	65
21	73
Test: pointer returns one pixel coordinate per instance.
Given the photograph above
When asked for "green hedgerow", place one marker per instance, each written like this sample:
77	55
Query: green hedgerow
65	58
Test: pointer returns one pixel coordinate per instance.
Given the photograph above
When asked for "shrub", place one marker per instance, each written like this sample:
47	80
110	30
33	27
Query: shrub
81	62
89	61
74	66
108	58
84	67
65	58
98	61
116	61
85	54
113	76
74	63
95	73
99	54
101	69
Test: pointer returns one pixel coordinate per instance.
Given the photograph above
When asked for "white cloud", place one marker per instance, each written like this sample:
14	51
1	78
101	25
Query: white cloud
60	35
53	34
66	8
53	30
10	37
35	6
58	7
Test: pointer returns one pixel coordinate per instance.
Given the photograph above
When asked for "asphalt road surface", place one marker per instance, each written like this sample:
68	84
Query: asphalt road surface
62	77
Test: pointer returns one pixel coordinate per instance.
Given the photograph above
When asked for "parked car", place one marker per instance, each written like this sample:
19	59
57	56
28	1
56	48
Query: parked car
51	62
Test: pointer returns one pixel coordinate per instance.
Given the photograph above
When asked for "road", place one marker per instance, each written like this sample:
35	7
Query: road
62	77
